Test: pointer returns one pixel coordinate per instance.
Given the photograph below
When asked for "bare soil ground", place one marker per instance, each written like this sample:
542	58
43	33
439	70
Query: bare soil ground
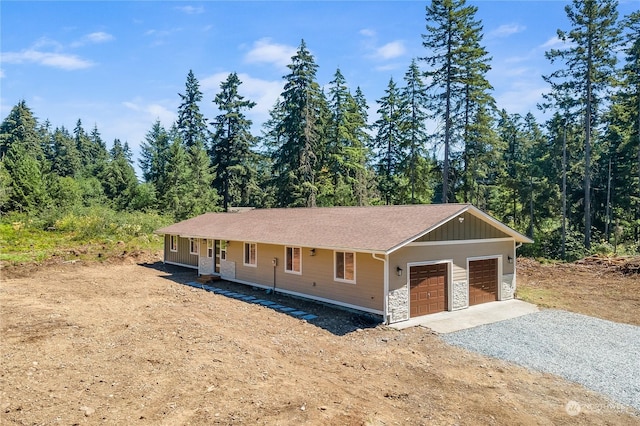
593	286
126	343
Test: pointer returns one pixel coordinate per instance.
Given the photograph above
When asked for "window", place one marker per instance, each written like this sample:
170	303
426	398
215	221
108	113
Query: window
210	249
193	246
250	254
173	242
223	250
293	260
345	266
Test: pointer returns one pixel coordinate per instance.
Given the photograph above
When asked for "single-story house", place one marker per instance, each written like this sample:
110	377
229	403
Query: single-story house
397	262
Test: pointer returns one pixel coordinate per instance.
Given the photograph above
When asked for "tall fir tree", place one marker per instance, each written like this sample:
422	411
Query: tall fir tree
177	198
450	26
154	156
295	159
232	142
416	167
191	123
66	160
389	143
346	152
119	178
20	126
589	61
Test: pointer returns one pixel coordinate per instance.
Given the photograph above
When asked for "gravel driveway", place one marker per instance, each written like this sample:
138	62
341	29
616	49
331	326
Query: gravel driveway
601	355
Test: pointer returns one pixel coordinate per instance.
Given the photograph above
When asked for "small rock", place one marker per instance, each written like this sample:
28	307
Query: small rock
210	388
87	411
304	407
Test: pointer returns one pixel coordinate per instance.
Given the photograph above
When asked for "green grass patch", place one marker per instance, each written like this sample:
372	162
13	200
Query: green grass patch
88	234
537	296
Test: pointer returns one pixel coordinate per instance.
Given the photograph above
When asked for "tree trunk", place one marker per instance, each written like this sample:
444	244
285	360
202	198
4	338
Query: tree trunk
564	192
447	125
587	152
607	224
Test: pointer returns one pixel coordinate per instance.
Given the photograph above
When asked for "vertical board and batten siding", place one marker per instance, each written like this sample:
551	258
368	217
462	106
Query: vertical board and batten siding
182	256
317	278
459	253
471	228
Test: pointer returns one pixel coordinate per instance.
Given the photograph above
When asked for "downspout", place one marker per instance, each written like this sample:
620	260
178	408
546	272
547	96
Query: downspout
386	286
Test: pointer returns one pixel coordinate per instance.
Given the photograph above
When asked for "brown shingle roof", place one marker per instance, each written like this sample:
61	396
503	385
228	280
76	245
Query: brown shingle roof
374	228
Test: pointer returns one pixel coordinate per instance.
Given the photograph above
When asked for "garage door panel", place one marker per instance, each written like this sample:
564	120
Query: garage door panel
483	281
428	289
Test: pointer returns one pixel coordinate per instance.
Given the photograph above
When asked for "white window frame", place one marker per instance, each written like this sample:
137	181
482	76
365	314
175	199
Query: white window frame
194	242
291	249
210	246
173	243
335	267
247	262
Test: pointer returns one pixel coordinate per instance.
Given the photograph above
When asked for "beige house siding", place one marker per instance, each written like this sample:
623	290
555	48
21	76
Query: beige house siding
471	228
457	257
458	253
317	278
182	256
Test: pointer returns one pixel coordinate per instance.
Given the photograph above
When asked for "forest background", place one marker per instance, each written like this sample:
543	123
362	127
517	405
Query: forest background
572	182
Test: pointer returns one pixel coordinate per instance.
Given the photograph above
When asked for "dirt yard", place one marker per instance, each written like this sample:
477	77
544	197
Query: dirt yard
128	344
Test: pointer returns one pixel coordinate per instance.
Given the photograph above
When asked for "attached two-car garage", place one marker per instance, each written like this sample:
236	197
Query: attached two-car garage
429	285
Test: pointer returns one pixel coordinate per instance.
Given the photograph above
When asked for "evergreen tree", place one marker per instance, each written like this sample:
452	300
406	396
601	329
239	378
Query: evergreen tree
98	152
191	122
203	196
416	167
477	133
66	159
346	153
389	143
232	142
295	160
154	154
628	99
589	60
20	126
177	198
119	178
452	34
27	190
83	146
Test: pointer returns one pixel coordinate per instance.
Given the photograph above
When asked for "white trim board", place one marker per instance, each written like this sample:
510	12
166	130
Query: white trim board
181	264
453	242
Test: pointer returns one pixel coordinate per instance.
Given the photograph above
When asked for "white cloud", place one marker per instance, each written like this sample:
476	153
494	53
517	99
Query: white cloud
93	38
99	37
2	74
191	10
553	42
151	111
507	30
51	59
265	51
367	32
390	50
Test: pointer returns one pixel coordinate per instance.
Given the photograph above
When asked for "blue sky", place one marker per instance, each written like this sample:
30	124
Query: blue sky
120	65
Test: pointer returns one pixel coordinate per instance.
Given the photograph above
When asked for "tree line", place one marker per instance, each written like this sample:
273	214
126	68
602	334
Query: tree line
438	137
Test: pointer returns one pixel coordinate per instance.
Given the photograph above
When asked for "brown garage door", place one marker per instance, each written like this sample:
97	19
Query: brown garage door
483	281
428	289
